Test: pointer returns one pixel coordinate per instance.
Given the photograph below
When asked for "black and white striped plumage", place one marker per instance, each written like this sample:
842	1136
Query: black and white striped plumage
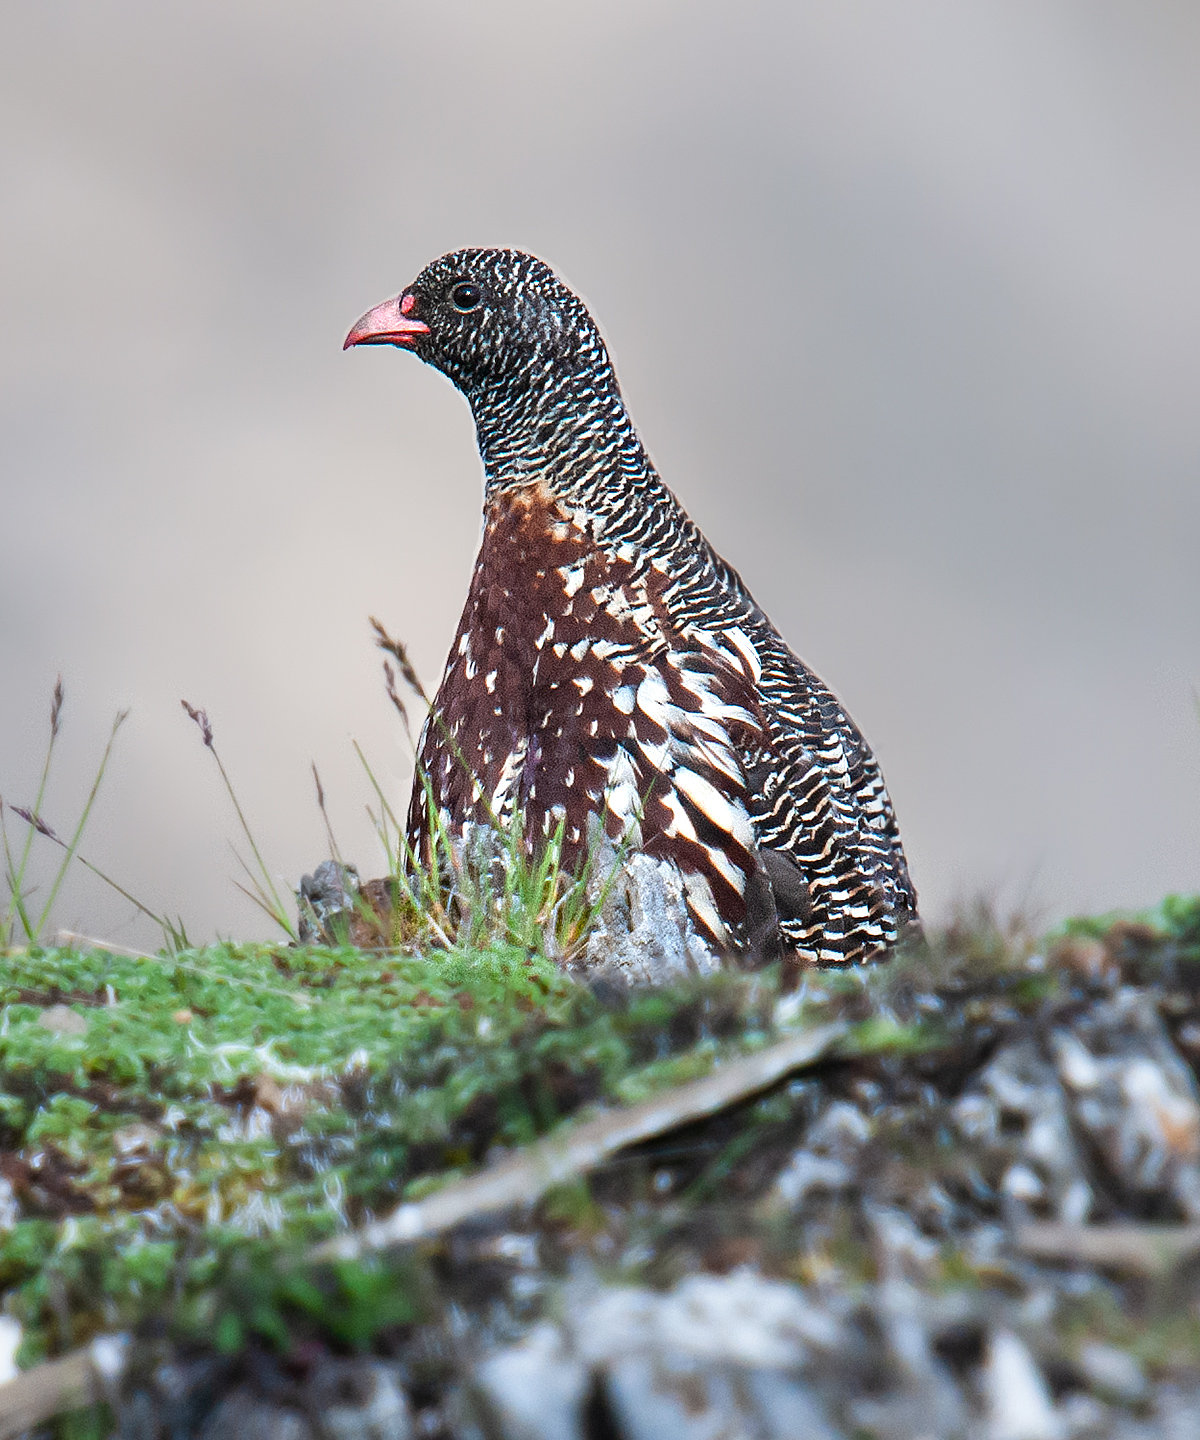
608	663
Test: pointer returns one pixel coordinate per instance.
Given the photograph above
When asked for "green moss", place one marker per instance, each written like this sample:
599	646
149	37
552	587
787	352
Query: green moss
1174	918
219	1111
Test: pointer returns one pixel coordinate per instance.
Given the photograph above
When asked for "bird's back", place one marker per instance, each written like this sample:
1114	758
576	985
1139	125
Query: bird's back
815	793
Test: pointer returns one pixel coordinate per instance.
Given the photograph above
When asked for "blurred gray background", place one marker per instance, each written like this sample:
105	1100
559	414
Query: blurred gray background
904	299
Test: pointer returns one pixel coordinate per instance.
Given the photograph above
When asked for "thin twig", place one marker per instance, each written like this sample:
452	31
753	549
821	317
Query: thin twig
48	1390
16	901
334	853
385	809
1132	1249
399	650
17	874
524	1177
389	683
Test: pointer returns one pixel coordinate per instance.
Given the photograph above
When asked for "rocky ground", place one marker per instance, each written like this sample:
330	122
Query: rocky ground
975	1214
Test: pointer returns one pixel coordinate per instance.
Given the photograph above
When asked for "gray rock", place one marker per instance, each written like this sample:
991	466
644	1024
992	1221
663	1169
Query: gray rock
644	934
62	1020
924	1398
739	1319
1178	1413
246	1415
787	1408
1135	1097
667	1396
360	1400
1086	1418
1017	1399
535	1390
346	1400
1017	1105
324	897
1113	1373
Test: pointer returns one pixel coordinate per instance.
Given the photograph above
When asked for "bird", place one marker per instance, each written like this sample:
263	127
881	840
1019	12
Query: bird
610	670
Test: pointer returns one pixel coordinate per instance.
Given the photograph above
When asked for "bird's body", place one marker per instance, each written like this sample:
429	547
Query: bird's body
610	668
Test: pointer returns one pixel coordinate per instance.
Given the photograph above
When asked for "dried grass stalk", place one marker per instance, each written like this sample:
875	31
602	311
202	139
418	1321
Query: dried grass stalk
48	1390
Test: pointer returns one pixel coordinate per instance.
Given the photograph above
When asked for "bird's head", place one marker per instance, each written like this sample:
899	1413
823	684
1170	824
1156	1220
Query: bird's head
487	319
490	319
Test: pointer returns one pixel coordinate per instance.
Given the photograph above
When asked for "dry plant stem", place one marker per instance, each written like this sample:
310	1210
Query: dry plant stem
16	902
413	681
1149	1250
31	817
389	683
385	809
334	853
274	908
47	1390
525	1177
257	896
397	648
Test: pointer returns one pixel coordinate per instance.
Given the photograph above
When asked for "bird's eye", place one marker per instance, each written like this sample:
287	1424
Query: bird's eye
466	296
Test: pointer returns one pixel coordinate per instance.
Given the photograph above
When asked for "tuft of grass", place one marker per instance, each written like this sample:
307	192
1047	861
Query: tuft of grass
496	886
17	915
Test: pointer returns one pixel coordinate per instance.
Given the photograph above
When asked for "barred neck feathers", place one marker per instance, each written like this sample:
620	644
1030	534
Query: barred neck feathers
528	357
568	432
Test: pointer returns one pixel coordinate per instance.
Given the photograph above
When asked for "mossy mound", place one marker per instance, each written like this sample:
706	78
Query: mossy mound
161	1119
176	1134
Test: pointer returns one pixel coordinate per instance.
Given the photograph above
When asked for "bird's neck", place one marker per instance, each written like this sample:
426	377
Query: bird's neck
571	435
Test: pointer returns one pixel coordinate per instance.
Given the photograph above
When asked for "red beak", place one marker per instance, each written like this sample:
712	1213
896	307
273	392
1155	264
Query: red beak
388	324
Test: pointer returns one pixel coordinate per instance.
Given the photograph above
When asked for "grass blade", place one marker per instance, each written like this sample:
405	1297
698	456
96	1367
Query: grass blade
121	717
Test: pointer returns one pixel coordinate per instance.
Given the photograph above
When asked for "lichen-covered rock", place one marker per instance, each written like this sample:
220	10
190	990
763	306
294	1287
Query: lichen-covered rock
644	934
335	908
1135	1098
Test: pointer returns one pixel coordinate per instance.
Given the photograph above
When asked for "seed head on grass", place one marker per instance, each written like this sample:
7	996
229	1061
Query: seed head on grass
201	719
399	650
15	869
30	818
334	852
174	935
56	705
389	681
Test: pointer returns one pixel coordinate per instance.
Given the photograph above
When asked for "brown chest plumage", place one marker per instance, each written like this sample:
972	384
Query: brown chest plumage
569	693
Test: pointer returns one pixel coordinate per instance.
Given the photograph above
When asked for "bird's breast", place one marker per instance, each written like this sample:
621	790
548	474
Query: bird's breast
570	693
